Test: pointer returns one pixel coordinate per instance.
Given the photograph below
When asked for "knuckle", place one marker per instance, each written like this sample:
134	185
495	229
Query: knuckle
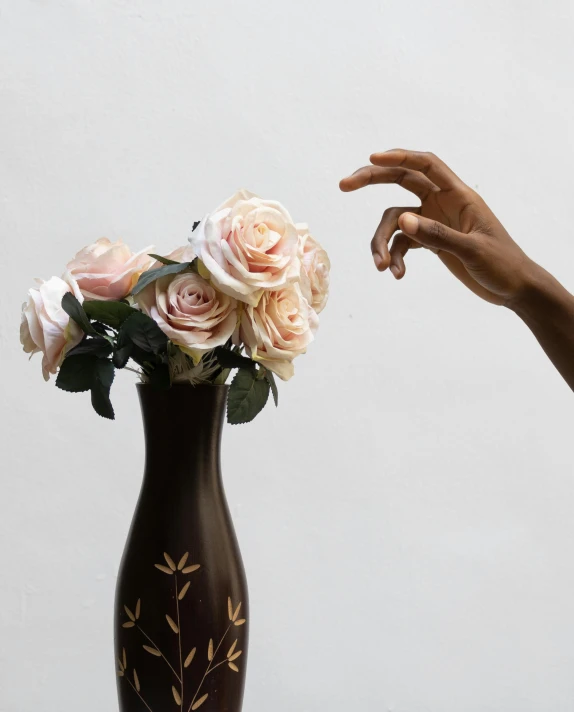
437	230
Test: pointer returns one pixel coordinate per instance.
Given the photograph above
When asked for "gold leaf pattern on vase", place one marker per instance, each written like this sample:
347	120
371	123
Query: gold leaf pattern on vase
169	561
178	688
172	624
199	702
182	561
190	569
152	651
165	569
189	658
184	590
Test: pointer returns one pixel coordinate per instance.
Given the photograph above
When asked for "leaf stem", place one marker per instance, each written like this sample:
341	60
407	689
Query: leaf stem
137	693
209	668
159	651
179	639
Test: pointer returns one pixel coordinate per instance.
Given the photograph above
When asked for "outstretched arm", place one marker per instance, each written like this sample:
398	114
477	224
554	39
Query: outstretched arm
456	224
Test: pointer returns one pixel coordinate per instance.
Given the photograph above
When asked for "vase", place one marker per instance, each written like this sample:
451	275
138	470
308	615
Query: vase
181	612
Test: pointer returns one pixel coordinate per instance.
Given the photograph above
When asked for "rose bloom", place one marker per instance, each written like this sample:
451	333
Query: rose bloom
315	268
45	325
248	245
107	271
278	329
190	312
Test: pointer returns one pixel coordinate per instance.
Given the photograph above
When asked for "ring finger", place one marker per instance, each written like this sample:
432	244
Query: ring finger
387	227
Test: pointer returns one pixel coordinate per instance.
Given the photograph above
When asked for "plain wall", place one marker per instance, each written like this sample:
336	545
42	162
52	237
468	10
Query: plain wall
406	514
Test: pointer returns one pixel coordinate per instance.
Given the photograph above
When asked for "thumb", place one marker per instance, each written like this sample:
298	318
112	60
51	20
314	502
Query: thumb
435	235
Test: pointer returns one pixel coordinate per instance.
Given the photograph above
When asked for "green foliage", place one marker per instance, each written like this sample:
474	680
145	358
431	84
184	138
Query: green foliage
230	359
75	311
76	373
122	355
159	377
165	260
96	346
87	372
270	378
110	313
103	379
142	331
248	395
152	274
115	332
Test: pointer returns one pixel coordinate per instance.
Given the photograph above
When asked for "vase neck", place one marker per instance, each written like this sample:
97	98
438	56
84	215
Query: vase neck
182	430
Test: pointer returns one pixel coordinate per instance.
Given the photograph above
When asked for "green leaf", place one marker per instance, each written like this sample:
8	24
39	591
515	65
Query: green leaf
75	311
159	377
97	346
111	313
101	328
270	378
103	379
76	373
122	355
164	260
229	359
247	396
145	359
222	377
151	275
142	331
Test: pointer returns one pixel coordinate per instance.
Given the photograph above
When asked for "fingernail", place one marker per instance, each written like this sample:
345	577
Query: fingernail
395	271
378	260
410	223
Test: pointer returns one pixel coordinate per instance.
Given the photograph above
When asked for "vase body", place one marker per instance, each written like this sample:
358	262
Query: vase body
181	611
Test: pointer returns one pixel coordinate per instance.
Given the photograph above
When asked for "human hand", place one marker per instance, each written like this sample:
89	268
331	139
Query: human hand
453	221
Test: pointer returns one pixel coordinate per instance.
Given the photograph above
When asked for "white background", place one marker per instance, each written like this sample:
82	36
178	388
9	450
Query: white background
406	515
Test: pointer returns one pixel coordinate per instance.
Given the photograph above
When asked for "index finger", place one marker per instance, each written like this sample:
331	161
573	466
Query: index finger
427	163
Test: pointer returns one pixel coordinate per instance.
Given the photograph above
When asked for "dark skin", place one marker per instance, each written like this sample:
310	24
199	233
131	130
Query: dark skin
455	223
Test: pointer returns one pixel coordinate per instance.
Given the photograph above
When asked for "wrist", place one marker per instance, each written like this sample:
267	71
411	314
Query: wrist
538	291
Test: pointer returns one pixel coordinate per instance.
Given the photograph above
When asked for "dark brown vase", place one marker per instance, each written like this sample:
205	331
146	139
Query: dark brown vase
181	614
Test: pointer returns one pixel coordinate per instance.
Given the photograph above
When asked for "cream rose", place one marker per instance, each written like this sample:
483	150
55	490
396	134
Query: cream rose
315	269
190	312
278	329
106	270
248	245
45	325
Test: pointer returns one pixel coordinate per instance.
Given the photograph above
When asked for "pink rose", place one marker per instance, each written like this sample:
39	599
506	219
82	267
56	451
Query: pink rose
315	268
106	270
248	245
190	312
45	325
278	329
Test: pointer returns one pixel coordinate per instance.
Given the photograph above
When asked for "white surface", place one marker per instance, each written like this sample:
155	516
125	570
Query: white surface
410	544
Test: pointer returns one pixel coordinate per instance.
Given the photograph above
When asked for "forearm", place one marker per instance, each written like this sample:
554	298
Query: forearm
547	308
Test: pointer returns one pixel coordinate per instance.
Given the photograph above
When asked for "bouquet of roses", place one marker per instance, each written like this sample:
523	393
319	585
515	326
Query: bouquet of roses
244	294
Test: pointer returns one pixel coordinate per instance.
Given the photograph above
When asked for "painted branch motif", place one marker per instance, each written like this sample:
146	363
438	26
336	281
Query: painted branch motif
180	694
